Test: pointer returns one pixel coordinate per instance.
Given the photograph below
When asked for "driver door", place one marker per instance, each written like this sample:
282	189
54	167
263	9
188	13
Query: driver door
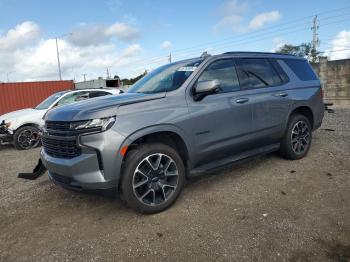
221	123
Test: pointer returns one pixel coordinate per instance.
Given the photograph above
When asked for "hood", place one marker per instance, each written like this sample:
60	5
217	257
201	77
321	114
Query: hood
104	106
19	114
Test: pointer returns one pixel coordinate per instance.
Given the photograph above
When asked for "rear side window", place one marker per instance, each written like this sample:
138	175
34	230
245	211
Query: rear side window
224	71
279	70
256	73
302	69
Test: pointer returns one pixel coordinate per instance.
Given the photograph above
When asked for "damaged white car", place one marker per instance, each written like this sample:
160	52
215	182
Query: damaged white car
22	127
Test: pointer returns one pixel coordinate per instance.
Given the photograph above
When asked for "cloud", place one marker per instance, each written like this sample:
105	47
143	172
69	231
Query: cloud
38	60
339	46
263	18
95	34
86	35
131	50
166	45
232	7
278	43
19	36
233	16
232	21
123	31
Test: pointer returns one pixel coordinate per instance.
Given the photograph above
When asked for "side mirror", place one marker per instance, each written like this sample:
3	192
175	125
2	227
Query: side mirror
204	88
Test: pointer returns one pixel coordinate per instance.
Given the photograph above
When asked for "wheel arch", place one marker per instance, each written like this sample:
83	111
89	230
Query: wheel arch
167	134
28	124
305	111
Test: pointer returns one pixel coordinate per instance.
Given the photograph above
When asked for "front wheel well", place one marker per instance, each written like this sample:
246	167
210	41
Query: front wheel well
166	137
305	111
28	124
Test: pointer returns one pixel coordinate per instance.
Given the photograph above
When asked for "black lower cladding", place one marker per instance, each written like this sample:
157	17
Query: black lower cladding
60	140
66	182
62	179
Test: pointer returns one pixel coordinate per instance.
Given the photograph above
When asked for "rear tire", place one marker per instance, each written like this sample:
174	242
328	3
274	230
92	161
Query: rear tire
152	177
297	139
26	137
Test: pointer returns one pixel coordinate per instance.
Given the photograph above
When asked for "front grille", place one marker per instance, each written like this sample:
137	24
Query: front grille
3	131
61	148
59	140
58	125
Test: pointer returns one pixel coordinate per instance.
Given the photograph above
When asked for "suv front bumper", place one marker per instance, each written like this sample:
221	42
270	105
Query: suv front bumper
97	167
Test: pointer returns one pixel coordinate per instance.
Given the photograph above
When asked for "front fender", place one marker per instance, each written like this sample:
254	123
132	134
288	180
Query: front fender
160	128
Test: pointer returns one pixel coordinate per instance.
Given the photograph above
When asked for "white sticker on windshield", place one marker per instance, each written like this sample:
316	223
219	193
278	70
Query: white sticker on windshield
187	68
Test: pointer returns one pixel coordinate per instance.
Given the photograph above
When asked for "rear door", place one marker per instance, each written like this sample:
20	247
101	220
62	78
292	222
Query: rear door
270	97
221	122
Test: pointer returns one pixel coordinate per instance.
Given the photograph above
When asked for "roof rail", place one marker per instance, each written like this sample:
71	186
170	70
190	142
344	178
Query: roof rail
258	53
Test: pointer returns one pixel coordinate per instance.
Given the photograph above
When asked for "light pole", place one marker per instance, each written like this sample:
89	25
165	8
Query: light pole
58	54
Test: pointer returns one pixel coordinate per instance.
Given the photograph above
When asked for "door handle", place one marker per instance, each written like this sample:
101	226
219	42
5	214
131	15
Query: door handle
242	100
282	94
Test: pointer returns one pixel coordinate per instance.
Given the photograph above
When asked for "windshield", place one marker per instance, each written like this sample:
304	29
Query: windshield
165	78
48	101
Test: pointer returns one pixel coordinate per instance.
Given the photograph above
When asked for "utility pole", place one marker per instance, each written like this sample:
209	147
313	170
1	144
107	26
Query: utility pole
58	54
58	60
108	76
169	58
84	75
315	40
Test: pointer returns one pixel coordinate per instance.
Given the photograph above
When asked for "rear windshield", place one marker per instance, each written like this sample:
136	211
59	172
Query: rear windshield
302	69
165	78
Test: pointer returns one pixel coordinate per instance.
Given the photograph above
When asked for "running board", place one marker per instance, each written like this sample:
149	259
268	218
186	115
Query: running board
229	160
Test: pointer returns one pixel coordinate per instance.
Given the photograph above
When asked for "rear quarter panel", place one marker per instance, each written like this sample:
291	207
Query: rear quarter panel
305	93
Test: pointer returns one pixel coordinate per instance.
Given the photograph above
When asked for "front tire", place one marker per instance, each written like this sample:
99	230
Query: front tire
153	177
297	139
26	137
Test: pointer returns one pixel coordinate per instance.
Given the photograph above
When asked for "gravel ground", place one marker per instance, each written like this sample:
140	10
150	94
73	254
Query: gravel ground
266	209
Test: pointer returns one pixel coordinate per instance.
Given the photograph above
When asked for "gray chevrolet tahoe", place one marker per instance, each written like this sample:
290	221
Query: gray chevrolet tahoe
181	120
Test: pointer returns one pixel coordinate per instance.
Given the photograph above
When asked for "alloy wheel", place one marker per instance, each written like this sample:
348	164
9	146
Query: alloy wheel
300	137
155	179
28	139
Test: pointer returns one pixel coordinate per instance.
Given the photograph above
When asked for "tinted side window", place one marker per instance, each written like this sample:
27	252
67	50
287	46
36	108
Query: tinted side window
301	68
97	94
256	73
224	71
280	71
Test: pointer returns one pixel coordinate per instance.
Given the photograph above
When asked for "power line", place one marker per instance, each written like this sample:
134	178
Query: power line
254	36
280	28
337	50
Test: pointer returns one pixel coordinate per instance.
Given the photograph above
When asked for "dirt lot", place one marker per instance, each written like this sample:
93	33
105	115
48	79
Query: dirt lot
266	209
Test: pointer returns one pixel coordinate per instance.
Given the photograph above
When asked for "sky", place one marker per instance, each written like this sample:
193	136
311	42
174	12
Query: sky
129	36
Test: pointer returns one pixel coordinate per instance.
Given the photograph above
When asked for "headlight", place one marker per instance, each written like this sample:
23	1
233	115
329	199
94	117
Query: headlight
103	123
